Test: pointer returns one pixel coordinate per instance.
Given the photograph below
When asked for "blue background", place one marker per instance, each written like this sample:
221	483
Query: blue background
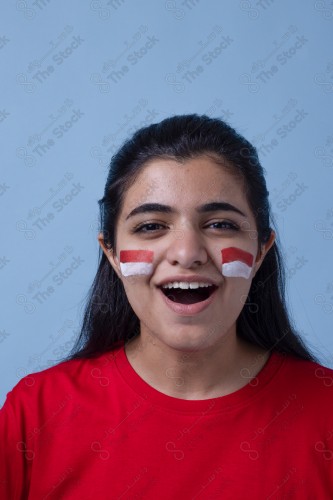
78	77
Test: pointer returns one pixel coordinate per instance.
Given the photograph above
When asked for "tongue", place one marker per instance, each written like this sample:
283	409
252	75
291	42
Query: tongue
187	296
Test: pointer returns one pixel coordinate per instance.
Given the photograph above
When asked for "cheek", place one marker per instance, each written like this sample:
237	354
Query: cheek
236	263
136	262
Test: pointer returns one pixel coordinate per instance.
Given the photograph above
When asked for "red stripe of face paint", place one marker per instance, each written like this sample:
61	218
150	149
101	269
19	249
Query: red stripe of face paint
232	253
136	256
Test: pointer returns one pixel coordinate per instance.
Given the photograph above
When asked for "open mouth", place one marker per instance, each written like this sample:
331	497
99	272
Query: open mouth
188	296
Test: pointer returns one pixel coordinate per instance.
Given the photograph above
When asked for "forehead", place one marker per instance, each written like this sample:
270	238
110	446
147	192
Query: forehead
189	181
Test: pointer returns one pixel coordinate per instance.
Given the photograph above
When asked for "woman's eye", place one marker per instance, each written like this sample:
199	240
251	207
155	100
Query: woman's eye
154	226
225	225
143	227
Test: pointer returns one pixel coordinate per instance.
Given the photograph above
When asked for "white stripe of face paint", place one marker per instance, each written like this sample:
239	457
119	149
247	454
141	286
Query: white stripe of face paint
236	269
136	268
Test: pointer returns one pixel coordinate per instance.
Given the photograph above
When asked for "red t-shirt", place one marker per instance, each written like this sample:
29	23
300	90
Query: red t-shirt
94	429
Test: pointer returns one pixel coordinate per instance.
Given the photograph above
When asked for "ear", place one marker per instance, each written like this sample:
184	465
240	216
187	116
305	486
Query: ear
110	255
265	247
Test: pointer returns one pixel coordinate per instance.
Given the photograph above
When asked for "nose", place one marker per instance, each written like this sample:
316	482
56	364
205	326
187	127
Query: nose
187	248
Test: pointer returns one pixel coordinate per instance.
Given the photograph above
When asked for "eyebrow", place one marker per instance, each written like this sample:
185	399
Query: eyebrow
213	206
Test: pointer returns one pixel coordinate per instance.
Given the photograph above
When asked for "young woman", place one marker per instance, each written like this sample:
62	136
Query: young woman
188	380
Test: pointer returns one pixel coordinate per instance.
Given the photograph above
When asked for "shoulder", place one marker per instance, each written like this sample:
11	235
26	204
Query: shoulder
310	381
316	373
66	379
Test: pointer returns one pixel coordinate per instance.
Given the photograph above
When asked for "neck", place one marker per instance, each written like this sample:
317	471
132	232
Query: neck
207	373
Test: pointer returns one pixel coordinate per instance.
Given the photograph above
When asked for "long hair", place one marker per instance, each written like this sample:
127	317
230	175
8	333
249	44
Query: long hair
108	318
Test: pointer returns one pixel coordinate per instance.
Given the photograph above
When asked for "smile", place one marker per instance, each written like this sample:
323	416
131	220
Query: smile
188	302
188	295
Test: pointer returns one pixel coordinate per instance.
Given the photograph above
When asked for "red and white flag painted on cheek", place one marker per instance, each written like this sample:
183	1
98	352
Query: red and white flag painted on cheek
236	263
134	262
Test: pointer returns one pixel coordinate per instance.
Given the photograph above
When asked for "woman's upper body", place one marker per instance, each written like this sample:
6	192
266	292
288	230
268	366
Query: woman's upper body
216	395
94	429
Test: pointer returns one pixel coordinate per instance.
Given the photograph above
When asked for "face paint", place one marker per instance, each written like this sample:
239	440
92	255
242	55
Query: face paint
134	262
236	263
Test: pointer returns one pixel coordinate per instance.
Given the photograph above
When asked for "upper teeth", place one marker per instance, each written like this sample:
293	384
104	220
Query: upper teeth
185	284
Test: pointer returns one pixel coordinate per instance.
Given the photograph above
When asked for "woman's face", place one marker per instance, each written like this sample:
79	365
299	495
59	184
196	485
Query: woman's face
186	241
